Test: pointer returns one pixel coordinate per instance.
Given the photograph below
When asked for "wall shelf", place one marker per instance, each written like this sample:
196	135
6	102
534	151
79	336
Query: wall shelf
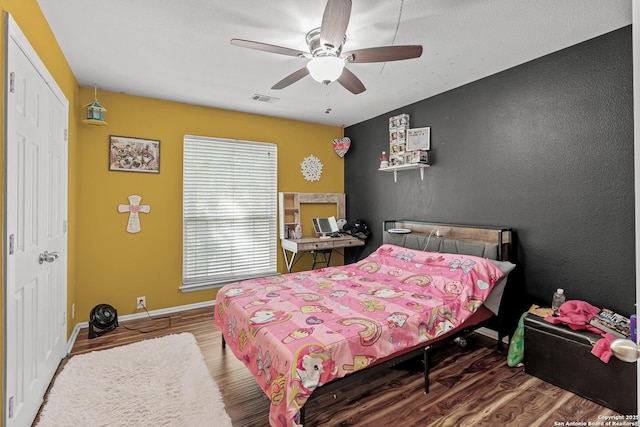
395	169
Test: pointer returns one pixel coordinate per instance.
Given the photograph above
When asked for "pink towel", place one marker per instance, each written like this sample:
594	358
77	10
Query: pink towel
602	349
576	315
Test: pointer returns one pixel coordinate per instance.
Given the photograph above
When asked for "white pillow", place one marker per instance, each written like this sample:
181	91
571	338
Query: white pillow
495	297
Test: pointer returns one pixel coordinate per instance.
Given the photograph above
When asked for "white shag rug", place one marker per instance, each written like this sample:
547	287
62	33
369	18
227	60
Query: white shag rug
156	382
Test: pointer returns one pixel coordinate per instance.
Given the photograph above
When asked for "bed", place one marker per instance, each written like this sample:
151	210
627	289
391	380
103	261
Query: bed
302	334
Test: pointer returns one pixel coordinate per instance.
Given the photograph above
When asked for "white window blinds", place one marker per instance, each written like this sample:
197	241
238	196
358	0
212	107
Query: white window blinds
229	211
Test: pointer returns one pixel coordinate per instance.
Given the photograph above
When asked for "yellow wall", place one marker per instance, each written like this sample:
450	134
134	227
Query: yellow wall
105	263
114	266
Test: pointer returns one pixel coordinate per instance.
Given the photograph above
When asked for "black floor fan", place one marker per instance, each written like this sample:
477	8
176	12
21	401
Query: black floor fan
103	318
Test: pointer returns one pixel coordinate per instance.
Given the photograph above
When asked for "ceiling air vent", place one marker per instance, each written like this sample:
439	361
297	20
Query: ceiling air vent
264	98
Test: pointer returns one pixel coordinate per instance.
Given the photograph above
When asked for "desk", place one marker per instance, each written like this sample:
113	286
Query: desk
308	244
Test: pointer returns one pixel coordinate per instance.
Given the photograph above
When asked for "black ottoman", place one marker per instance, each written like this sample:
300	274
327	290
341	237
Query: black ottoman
561	356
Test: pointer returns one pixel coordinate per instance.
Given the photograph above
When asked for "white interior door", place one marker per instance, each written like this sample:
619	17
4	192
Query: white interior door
35	253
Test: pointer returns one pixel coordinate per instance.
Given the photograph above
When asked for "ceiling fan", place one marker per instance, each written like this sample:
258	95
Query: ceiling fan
327	62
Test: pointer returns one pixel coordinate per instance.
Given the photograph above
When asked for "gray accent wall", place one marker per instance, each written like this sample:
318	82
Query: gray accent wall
545	148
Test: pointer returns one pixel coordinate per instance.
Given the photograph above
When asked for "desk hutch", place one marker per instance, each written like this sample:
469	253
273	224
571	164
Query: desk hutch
289	205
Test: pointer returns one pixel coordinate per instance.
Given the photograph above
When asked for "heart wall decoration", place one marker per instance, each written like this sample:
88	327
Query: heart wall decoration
341	145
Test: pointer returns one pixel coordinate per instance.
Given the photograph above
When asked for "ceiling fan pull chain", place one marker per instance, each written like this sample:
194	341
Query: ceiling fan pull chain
328	99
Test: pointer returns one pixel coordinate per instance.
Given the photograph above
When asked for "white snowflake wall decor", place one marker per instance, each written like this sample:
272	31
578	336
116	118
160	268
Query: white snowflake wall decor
311	168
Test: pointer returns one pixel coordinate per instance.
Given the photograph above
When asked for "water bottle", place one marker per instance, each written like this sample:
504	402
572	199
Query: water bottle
558	299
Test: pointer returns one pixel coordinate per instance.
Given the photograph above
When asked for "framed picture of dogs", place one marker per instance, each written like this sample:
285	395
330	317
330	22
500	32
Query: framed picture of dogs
128	154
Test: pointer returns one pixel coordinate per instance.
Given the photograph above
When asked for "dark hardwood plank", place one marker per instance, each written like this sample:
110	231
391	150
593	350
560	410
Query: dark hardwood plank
470	386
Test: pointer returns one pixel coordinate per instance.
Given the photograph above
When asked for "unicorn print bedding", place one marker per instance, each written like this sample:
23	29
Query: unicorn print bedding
298	331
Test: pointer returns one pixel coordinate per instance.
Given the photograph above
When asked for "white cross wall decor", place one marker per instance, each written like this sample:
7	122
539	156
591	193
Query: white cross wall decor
134	207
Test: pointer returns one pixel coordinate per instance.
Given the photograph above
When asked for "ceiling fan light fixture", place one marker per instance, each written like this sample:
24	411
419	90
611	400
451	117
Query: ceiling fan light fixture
326	62
325	69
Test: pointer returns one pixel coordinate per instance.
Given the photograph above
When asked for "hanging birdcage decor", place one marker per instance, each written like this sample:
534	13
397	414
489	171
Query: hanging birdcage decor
95	112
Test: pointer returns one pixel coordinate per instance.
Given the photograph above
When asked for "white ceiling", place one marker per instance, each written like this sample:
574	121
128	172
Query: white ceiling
180	50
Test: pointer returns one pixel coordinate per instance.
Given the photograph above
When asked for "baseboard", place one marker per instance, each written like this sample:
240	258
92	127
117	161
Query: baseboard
491	334
153	313
76	330
74	335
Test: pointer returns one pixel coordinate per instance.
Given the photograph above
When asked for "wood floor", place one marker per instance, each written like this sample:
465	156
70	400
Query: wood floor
469	387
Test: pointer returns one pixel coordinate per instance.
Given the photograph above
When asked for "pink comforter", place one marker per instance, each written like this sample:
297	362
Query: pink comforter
298	331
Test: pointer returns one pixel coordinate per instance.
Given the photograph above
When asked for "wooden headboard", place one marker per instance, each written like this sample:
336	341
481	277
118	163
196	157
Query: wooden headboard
487	242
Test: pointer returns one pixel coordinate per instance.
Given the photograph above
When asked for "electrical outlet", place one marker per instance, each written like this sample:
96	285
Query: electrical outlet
141	302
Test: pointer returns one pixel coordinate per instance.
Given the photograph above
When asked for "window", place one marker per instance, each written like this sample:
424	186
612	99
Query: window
229	211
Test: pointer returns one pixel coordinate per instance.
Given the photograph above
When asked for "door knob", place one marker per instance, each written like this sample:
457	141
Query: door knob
625	350
48	257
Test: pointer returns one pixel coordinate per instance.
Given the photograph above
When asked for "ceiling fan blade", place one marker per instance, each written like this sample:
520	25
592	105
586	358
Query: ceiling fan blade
268	47
350	82
291	78
334	22
383	54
